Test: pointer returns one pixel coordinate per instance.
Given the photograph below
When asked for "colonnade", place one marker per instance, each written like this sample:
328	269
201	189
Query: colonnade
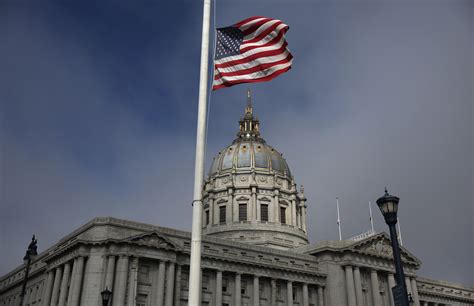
63	284
295	214
166	282
290	285
354	287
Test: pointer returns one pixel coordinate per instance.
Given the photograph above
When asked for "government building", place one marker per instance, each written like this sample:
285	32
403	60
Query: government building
255	251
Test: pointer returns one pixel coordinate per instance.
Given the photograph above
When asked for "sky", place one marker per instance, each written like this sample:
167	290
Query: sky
99	107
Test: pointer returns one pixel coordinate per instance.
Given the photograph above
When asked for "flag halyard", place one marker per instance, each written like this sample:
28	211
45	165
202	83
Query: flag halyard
252	50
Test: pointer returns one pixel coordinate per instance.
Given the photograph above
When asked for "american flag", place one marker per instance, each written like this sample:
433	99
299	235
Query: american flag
252	50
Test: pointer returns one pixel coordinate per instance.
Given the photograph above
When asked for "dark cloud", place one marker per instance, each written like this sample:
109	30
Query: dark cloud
99	104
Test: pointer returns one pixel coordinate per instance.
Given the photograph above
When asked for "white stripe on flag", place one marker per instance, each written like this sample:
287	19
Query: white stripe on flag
252	76
256	62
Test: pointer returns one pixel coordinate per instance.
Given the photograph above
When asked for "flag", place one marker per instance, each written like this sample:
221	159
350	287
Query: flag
252	50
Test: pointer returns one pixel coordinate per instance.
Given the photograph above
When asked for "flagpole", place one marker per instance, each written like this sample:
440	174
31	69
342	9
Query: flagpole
195	261
371	219
338	219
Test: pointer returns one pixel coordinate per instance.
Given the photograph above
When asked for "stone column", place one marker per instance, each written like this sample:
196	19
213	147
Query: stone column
238	290
408	283
211	210
56	286
289	293
256	291
293	212
350	290
230	208
161	283
374	280
71	283
120	285
169	297
177	286
414	290
48	287
64	283
391	284
358	287
320	296
300	225
305	295
303	217
274	291
109	276
253	207
276	206
132	282
77	282
218	288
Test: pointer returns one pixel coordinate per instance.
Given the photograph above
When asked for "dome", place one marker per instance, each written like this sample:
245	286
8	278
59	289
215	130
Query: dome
250	195
249	154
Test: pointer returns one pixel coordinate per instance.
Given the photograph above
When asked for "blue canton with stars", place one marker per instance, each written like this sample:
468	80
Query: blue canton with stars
228	42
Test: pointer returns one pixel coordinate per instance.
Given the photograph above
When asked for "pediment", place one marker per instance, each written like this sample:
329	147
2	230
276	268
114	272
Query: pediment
265	199
381	246
153	239
242	199
220	201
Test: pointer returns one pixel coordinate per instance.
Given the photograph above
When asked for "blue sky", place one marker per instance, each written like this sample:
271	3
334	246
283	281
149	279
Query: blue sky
99	100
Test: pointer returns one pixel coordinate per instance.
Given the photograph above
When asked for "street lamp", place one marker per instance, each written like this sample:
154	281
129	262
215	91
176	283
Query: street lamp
106	295
388	205
31	253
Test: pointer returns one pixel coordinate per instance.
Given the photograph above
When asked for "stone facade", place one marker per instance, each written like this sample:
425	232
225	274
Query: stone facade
255	251
149	265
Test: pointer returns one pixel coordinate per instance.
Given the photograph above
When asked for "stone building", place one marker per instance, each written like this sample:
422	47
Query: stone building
255	251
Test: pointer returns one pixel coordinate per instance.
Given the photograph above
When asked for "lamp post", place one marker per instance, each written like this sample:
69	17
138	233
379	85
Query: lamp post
106	295
388	205
31	252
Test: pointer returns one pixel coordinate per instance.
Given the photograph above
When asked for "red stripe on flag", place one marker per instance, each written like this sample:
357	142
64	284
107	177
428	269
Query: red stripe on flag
256	68
264	33
264	79
271	42
254	27
253	57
